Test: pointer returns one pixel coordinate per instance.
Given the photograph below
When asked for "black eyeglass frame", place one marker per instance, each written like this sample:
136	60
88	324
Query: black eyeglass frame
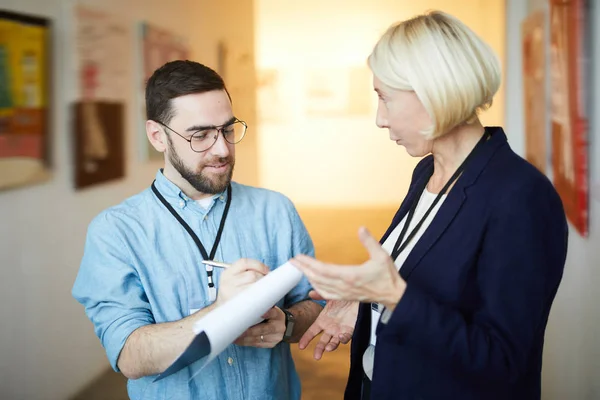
219	129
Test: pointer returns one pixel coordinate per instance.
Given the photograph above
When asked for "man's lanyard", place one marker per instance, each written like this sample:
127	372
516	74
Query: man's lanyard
213	251
400	246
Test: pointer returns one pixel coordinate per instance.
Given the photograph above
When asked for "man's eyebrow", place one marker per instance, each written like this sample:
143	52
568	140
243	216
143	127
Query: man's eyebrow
197	128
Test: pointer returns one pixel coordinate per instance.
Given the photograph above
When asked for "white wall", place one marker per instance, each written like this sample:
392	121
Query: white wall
47	346
572	351
340	160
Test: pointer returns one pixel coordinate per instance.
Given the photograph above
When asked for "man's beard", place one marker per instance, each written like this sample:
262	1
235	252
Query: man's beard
200	182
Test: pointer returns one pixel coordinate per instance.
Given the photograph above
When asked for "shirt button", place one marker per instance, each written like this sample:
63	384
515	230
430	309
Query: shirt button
181	203
206	217
221	198
230	361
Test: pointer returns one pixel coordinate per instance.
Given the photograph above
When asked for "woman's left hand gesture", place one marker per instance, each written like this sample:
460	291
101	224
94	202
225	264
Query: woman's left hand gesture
376	280
336	323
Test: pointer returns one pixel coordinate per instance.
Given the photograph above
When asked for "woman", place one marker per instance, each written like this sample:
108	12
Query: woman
479	242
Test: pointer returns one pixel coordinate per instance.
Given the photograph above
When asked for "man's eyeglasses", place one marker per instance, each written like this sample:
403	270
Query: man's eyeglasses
205	138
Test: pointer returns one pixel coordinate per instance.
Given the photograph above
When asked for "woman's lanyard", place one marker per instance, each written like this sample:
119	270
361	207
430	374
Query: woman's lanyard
205	256
400	246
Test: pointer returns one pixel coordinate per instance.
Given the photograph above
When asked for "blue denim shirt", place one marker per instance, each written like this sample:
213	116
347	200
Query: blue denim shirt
141	267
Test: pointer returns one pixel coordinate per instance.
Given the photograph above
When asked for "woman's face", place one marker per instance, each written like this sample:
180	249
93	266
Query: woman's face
403	114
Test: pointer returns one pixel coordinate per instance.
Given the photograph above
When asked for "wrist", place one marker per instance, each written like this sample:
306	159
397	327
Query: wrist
394	296
198	315
289	324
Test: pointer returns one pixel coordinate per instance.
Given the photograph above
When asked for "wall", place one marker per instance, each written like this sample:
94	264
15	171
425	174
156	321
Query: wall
572	349
232	22
340	158
47	346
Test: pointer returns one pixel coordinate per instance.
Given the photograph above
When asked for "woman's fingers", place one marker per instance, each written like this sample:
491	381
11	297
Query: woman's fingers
333	344
376	252
320	347
309	335
345	337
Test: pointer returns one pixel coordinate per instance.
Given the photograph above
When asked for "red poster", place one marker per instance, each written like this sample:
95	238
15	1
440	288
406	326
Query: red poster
568	59
534	89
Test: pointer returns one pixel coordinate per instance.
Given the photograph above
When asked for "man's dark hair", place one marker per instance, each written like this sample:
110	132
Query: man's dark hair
175	79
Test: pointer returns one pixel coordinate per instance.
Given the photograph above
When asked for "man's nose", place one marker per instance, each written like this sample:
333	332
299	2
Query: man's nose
221	147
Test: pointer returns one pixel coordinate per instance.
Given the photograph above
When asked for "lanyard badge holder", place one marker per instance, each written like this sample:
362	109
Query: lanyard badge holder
399	246
212	289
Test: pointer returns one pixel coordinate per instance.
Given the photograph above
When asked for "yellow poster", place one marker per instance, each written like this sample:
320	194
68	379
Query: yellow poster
23	99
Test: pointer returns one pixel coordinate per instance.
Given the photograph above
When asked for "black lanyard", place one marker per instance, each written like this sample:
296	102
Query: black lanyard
189	230
399	246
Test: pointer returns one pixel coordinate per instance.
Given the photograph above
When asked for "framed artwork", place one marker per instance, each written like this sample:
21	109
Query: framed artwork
25	78
99	151
103	54
569	57
158	46
534	90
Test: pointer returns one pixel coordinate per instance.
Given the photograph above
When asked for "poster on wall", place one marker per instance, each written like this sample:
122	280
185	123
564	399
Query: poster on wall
569	124
103	70
533	41
24	93
158	46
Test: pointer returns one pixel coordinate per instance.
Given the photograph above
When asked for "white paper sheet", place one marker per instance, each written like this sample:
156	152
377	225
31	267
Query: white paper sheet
222	326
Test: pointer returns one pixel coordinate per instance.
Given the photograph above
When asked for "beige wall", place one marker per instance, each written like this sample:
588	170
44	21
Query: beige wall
48	349
341	158
231	22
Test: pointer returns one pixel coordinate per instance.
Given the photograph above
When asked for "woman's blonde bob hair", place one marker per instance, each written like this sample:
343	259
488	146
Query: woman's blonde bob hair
453	72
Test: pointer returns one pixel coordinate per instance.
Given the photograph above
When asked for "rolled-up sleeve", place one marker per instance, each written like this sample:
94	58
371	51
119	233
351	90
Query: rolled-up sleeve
109	287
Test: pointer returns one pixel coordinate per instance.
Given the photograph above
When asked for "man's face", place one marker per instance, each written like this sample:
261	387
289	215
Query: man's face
209	172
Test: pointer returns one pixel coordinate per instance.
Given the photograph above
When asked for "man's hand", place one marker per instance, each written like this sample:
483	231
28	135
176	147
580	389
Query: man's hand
150	349
242	273
266	334
336	321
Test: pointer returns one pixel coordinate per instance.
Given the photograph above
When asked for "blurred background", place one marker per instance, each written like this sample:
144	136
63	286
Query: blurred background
72	144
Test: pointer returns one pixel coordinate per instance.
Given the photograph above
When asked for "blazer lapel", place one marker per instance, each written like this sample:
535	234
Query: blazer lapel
454	201
440	222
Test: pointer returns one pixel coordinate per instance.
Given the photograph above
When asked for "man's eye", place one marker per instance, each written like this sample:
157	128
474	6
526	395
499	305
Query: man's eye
200	136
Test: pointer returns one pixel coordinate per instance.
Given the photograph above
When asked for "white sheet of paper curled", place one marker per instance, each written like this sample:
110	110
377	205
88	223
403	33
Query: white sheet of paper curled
226	323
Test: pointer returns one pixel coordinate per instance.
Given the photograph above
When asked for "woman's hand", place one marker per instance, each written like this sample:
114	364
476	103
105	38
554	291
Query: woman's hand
336	321
376	281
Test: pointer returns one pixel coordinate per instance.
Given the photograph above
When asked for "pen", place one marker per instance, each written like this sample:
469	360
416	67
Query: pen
216	264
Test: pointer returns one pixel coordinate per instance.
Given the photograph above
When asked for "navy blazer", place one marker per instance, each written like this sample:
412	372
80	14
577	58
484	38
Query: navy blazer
480	284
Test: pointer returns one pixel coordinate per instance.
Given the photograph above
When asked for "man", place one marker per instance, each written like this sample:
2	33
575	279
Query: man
142	281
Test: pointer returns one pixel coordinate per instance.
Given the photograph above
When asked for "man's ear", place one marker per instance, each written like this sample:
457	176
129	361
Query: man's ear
156	136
